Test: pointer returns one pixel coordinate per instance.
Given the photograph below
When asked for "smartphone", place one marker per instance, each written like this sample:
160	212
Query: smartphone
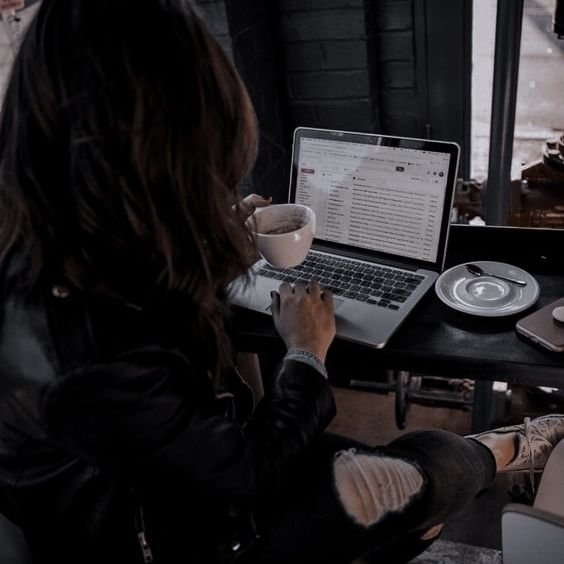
541	327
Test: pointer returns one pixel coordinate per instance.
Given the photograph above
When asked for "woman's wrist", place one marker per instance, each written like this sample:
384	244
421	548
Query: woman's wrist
308	357
319	351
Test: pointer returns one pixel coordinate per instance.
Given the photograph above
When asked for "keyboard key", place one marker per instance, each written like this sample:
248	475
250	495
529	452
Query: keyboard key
401	292
393	306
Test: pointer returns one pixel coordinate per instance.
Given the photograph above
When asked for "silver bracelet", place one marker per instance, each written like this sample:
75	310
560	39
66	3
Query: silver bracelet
309	358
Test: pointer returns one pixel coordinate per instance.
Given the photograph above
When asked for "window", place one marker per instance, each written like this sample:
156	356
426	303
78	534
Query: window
537	197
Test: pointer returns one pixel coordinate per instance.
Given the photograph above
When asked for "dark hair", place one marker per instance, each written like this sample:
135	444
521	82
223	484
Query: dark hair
124	134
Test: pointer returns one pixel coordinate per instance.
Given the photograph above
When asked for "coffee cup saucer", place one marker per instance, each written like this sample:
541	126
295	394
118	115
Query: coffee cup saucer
487	296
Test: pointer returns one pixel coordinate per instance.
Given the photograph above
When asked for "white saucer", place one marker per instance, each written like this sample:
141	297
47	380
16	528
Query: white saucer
487	296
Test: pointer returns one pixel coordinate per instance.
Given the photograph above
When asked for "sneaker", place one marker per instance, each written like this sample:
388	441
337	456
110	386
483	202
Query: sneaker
535	441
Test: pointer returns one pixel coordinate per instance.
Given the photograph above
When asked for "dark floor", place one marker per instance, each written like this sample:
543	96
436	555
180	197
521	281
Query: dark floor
369	417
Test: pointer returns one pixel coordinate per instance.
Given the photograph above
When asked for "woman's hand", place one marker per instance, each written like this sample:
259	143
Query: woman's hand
244	209
247	206
304	317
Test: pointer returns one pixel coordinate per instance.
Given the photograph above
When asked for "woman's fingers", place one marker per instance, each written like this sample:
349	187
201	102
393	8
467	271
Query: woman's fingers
275	304
250	203
314	289
300	289
259	201
327	297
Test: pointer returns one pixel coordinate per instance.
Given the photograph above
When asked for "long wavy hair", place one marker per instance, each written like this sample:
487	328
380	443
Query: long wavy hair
124	133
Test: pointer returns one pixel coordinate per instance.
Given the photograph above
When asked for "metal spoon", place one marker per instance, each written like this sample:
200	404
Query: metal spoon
477	271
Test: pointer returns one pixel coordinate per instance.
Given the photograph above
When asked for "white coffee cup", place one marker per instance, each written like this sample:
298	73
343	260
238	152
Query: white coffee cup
284	233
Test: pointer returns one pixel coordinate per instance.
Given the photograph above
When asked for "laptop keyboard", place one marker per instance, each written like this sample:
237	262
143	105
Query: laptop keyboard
378	285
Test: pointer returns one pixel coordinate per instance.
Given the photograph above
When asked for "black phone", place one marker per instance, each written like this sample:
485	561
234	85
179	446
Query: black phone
541	327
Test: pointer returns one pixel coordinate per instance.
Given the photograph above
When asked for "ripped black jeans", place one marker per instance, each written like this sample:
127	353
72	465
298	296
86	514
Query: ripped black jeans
328	511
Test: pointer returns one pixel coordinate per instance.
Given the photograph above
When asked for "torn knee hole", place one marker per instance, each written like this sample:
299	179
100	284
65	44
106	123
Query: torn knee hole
370	486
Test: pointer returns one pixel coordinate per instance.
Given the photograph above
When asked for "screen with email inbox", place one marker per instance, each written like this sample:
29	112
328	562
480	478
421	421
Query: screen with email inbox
387	199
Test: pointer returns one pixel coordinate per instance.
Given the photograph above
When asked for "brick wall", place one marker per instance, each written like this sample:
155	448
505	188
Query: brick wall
328	64
342	64
395	57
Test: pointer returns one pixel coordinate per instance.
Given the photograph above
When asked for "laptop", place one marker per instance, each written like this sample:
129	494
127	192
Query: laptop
382	207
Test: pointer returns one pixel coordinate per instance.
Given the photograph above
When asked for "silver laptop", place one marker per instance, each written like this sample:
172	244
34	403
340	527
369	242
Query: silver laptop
382	208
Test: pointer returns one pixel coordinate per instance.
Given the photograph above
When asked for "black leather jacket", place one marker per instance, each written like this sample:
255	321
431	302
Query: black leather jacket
102	404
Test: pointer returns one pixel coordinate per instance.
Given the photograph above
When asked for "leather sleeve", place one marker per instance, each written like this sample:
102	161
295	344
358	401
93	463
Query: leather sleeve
147	415
297	408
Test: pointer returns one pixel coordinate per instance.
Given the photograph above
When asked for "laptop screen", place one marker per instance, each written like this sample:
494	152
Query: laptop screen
383	194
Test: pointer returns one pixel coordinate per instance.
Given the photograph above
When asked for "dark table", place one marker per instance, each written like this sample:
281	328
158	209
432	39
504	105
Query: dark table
437	340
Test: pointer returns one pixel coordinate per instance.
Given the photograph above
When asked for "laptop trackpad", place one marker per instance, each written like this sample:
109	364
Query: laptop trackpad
337	303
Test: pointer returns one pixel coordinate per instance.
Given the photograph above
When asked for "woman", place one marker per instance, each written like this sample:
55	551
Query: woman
126	433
